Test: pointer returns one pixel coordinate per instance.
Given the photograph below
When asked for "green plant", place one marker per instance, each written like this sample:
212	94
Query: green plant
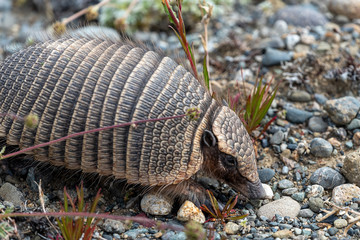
256	106
80	227
226	214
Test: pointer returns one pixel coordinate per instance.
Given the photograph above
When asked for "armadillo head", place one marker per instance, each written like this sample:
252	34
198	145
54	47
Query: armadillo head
229	154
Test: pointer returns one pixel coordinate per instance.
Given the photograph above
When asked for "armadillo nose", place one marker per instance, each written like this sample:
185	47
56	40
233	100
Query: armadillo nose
256	190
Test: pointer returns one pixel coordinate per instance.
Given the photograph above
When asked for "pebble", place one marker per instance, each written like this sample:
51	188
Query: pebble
356	138
314	191
134	233
285	206
340	223
321	99
285	233
317	124
316	204
349	144
351	167
277	138
291	40
285	170
342	110
319	147
289	191
299	96
345	193
308	16
284	184
231	228
355	123
306	213
334	142
299	196
275	57
327	178
188	211
266	174
280	27
10	193
332	231
171	235
348	8
295	115
113	226
269	194
156	204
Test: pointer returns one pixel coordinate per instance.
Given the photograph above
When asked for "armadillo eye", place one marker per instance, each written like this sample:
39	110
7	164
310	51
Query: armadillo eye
229	161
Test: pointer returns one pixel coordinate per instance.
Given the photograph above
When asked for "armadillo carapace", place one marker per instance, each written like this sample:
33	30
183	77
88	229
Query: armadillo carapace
80	83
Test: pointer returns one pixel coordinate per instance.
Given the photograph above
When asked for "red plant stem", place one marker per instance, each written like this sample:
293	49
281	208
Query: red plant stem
141	220
172	14
88	131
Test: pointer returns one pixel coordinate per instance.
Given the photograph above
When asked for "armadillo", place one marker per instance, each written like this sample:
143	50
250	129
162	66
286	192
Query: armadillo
80	83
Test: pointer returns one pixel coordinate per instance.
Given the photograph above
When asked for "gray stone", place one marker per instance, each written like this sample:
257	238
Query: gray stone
306	213
170	235
321	99
327	178
277	138
349	144
299	196
316	204
10	193
319	147
113	226
340	223
317	124
280	27
308	17
133	233
266	174
342	110
295	115
284	184
284	207
289	191
291	40
314	191
299	96
355	123
345	193
275	57
351	167
231	228
156	204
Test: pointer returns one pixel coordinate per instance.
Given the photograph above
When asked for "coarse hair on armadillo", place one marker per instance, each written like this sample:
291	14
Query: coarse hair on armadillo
77	83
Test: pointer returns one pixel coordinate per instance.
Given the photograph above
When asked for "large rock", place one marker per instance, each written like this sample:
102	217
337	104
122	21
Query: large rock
308	17
327	177
348	8
10	193
342	110
319	147
285	206
351	168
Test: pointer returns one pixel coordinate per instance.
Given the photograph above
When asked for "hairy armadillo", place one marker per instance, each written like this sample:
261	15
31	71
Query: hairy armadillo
80	83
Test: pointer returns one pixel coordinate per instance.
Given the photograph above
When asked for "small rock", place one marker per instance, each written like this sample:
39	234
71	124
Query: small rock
334	142
134	233
285	233
284	207
323	47
332	231
277	138
319	147
355	123
348	8
340	223
314	191
299	196
295	115
342	110
306	213
188	211
308	17
231	228
266	174
321	99
317	124
299	96
345	193
156	204
351	167
327	178
316	204
113	226
356	138
291	40
289	191
268	191
349	144
275	57
283	184
280	27
9	192
285	170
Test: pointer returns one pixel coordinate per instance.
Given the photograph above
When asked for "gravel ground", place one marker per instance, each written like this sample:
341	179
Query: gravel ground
310	155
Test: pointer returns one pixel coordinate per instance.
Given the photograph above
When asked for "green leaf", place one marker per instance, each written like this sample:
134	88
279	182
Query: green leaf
206	74
166	10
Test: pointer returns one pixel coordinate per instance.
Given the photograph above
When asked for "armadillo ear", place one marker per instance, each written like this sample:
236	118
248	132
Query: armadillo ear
209	138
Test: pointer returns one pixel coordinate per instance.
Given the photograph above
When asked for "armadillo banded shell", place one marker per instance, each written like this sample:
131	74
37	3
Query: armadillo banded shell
76	84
